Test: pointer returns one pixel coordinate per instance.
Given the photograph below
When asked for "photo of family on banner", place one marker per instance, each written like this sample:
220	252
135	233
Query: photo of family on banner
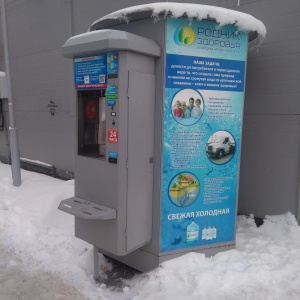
187	106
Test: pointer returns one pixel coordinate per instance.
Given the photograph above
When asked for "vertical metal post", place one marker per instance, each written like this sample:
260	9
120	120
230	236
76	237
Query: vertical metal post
96	263
13	132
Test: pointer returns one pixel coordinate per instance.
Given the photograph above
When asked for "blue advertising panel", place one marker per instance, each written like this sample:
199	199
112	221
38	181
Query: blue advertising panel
90	72
203	110
112	64
93	71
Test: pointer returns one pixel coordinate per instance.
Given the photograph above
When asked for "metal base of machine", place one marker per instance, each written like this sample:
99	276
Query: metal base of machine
96	263
144	261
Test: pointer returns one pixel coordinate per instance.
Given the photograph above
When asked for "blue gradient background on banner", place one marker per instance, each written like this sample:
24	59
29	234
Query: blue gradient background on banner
173	224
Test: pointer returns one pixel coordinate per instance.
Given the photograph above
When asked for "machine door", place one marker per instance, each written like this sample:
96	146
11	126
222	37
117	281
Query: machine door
141	95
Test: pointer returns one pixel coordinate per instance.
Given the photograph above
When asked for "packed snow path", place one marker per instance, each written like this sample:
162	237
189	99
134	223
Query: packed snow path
41	259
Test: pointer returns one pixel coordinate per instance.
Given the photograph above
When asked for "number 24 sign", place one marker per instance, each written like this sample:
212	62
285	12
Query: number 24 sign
113	136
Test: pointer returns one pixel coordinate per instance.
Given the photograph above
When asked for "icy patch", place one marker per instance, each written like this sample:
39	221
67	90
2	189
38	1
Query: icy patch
37	162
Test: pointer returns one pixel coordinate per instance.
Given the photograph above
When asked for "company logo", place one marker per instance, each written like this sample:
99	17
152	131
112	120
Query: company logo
184	36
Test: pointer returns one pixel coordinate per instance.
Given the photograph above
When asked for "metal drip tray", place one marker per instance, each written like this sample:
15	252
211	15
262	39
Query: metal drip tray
86	209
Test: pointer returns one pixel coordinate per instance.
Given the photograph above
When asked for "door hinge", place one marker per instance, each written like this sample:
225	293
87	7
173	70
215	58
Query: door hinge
127	164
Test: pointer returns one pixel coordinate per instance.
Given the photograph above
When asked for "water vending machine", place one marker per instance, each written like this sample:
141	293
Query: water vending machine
159	115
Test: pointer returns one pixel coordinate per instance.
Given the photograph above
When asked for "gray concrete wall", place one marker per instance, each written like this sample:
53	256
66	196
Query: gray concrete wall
36	31
270	151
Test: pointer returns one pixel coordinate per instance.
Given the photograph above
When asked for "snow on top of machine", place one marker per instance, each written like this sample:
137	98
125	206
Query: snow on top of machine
222	16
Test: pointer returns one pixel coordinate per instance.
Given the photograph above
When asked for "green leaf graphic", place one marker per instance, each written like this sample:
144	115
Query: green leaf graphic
181	36
187	40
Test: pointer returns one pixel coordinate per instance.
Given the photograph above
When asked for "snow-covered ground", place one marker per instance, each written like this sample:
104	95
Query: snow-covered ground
41	259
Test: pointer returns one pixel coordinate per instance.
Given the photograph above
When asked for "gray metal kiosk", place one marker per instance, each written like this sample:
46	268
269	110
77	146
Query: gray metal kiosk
153	98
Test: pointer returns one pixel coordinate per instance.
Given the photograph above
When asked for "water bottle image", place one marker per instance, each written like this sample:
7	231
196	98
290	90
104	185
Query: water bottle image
204	233
214	232
209	233
192	233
